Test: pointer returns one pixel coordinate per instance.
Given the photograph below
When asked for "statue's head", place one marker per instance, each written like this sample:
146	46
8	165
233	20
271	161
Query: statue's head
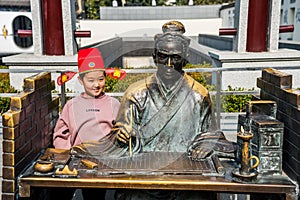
171	49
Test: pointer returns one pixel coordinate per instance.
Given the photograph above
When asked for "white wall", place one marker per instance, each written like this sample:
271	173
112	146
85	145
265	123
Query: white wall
106	29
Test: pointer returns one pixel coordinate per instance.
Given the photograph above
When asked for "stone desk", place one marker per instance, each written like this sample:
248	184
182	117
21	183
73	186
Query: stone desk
210	176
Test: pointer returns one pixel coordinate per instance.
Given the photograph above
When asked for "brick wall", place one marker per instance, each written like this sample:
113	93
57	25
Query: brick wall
277	86
27	128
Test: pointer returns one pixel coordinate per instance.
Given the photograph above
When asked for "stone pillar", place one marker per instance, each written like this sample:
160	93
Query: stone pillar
37	29
274	23
240	23
53	24
69	22
257	24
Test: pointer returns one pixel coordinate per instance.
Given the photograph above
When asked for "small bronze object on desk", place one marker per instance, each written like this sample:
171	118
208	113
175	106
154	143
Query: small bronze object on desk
44	166
89	164
246	172
66	172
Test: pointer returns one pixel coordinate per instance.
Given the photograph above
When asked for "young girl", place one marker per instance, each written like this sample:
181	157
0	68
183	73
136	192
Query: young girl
90	115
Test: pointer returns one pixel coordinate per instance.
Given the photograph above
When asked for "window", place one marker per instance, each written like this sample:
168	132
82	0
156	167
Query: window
22	23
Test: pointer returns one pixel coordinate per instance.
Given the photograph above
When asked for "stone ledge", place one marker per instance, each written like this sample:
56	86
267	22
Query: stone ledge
34	60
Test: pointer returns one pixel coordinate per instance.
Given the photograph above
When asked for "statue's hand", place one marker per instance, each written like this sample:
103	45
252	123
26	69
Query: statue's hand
123	132
199	152
211	143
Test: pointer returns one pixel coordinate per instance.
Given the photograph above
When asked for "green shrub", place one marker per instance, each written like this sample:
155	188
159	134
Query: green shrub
202	77
5	87
236	103
115	85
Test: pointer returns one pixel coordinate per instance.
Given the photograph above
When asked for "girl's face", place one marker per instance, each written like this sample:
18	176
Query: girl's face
93	83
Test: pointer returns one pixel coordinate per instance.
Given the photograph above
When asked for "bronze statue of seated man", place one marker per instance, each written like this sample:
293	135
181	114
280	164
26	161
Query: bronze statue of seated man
166	112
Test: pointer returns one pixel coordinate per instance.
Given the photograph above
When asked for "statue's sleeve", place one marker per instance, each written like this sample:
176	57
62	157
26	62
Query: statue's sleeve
207	117
209	140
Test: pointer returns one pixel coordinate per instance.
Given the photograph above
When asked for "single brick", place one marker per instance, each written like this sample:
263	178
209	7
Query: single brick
280	79
293	97
270	87
8	196
20	142
11	133
11	118
8	172
39	125
260	83
19	101
8	159
8	146
8	186
44	109
36	81
266	74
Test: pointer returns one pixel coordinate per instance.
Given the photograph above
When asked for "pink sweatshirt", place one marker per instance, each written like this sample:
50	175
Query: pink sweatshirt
84	119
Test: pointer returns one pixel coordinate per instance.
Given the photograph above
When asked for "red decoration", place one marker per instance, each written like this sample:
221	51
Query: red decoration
115	73
65	77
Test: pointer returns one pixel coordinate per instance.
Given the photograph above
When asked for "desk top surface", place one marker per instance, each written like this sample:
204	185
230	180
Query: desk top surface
152	179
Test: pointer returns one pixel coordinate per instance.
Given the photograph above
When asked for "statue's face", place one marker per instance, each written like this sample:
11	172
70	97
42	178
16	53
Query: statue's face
170	54
170	59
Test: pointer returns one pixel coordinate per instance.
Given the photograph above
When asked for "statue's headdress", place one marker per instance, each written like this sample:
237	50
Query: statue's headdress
173	26
171	38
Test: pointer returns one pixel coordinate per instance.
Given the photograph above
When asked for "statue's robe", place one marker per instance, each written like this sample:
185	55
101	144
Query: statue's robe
166	120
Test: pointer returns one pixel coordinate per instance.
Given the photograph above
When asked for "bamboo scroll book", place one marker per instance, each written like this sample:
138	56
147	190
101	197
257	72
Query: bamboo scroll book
155	163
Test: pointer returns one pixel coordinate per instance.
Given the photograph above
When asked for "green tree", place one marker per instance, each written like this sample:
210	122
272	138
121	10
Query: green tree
92	8
5	87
